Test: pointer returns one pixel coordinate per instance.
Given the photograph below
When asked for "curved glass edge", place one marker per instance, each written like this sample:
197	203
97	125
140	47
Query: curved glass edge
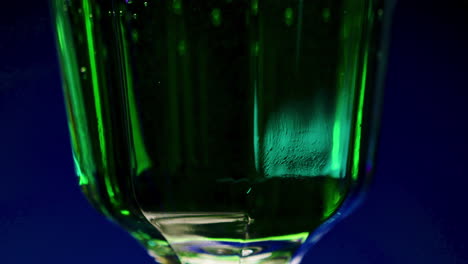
360	187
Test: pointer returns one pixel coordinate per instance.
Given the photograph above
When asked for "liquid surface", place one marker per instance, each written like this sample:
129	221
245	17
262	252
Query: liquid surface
223	131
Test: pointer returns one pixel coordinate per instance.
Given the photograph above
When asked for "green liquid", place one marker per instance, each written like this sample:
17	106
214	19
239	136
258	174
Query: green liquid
222	122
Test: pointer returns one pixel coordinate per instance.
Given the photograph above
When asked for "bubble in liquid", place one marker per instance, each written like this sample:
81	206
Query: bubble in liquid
135	36
326	14
181	47
135	16
145	4
288	16
255	48
83	69
380	13
177	7
254	7
216	17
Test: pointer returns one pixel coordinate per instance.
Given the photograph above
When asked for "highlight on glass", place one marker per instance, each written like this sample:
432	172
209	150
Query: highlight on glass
223	131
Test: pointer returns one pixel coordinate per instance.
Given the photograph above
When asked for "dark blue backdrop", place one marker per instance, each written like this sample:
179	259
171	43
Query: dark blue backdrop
415	212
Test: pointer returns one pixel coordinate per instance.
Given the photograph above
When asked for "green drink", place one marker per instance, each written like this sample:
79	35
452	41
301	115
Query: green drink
227	131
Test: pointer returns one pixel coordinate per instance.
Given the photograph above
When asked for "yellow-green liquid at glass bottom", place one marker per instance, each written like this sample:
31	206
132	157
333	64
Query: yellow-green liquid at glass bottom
227	220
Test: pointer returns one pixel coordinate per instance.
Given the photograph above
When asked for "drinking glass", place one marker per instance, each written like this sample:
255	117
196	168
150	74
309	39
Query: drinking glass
223	131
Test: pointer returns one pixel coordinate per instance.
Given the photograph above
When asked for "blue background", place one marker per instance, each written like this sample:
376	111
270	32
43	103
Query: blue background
414	213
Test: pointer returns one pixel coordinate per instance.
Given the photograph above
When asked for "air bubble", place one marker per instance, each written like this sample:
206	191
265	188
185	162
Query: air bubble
135	36
182	48
380	13
254	7
288	16
177	7
326	14
255	48
216	17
